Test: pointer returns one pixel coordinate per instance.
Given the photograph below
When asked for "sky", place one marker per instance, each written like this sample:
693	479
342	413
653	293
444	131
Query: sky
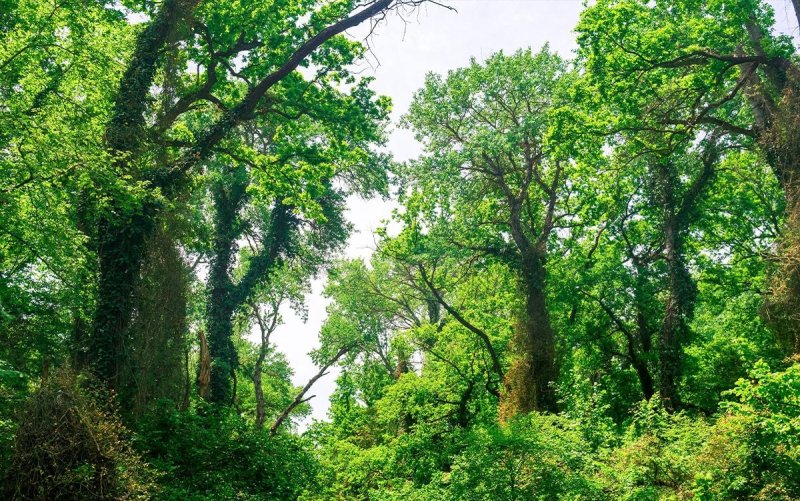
403	51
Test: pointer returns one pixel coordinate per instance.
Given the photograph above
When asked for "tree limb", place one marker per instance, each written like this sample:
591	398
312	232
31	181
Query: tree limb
300	397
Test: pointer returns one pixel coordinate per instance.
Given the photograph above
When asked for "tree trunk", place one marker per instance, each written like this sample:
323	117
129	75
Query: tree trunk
225	297
645	337
219	320
187	384
680	288
645	379
781	144
120	255
777	122
121	237
203	368
266	330
529	380
259	390
673	326
796	8
406	419
220	307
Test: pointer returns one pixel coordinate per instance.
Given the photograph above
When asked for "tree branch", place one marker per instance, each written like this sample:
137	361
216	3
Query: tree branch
496	366
299	398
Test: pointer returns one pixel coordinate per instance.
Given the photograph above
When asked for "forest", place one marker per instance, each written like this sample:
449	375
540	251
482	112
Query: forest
588	287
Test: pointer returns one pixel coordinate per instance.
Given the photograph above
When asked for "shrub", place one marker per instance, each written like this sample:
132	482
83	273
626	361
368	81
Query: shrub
656	459
71	444
532	457
769	402
210	452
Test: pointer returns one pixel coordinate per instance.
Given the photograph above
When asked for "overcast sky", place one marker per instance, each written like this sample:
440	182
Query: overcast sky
434	40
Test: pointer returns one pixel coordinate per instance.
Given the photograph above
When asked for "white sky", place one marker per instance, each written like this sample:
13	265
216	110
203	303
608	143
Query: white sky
434	40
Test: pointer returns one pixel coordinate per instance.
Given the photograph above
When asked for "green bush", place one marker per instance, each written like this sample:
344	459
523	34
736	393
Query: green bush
532	457
656	456
71	444
13	390
212	453
767	407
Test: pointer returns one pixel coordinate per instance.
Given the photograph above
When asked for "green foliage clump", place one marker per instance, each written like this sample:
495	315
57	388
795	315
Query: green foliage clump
751	450
533	457
13	390
655	457
767	414
71	444
213	453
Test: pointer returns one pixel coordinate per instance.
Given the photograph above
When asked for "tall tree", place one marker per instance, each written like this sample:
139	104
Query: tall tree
655	222
272	40
491	176
323	152
664	67
55	62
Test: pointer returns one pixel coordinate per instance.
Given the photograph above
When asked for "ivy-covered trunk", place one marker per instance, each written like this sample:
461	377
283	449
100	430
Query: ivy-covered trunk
530	378
674	328
775	103
120	256
123	230
221	305
226	296
677	216
220	344
781	143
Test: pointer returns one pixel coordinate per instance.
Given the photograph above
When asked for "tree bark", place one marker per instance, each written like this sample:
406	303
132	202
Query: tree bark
674	327
226	297
529	380
677	219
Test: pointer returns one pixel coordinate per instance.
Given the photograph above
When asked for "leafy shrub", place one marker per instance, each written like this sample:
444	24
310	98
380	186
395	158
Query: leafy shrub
656	457
349	472
71	444
212	453
768	408
751	451
13	390
532	457
730	338
724	468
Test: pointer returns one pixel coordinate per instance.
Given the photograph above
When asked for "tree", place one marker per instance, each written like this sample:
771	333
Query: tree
655	210
293	215
663	67
274	40
55	58
491	176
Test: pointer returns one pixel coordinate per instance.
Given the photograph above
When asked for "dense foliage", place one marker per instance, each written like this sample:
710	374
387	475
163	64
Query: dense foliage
589	288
